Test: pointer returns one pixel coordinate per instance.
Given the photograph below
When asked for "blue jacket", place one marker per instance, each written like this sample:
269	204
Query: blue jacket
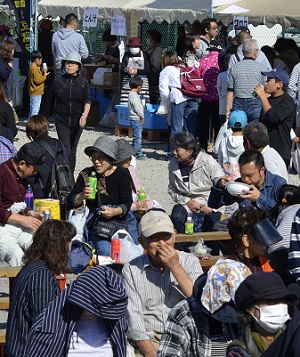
268	193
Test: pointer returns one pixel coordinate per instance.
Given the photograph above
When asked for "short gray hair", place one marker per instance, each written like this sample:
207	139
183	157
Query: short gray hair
257	135
249	46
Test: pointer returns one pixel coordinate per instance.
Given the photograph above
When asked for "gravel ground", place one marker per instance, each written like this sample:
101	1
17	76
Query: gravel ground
153	173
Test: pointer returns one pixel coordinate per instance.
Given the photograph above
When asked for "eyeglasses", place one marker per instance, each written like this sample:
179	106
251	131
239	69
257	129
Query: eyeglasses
71	63
98	158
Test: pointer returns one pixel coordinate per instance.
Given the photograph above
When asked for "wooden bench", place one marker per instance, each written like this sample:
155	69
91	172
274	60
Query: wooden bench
4	302
207	236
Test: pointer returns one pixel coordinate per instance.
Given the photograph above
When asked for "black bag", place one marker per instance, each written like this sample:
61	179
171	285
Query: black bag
80	255
61	180
105	228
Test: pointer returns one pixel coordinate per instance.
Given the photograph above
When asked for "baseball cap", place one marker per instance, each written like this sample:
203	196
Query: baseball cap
237	119
278	73
33	155
155	222
262	286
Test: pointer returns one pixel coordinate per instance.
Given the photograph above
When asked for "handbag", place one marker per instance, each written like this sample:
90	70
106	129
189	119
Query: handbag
105	228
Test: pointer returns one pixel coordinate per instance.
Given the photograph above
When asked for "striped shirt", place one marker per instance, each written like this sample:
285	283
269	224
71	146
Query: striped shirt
294	254
35	287
152	293
243	77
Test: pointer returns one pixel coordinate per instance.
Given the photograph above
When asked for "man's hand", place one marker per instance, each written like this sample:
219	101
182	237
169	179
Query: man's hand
260	91
147	348
31	222
168	256
193	205
252	195
225	179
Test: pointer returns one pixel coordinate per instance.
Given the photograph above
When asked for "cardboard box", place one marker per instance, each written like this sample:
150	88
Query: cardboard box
111	79
98	77
152	120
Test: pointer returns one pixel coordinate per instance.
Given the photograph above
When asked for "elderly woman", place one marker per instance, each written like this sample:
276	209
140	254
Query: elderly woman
206	322
37	130
87	319
113	199
262	299
36	285
192	173
69	98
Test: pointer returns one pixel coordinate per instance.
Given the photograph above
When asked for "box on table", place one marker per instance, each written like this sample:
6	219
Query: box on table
111	79
152	120
98	76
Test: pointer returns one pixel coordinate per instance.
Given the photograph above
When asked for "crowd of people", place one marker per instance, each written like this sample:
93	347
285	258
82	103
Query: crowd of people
164	303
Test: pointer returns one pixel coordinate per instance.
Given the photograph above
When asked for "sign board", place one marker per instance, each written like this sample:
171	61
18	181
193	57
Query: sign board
118	25
240	21
90	17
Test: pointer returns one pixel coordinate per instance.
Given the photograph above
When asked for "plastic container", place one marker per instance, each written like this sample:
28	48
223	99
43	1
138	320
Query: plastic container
189	226
152	120
29	197
115	250
93	185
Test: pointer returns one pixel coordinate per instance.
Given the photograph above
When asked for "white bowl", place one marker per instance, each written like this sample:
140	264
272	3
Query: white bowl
237	188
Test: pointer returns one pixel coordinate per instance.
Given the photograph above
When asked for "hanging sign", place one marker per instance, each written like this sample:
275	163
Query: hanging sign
240	21
90	17
118	25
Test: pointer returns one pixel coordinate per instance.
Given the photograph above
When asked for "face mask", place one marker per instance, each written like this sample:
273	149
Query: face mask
273	317
134	50
148	42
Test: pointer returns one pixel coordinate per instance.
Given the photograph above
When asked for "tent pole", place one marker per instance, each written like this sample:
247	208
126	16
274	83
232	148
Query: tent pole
36	25
212	9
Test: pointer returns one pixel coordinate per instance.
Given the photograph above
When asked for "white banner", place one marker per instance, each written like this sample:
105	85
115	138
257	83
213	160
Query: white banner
118	25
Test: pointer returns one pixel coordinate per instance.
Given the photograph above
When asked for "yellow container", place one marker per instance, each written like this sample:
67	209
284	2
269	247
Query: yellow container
39	205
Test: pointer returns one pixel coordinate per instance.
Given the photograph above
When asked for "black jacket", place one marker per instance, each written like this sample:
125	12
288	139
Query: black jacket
67	98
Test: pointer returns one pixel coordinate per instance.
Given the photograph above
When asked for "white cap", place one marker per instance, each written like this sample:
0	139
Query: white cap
155	222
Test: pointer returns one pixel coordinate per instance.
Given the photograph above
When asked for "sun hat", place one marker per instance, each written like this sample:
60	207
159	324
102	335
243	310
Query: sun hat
135	42
105	145
155	222
278	73
259	287
263	233
215	45
32	155
125	150
72	57
237	119
223	280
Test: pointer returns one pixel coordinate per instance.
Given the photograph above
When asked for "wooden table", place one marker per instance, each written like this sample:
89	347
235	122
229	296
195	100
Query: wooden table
207	236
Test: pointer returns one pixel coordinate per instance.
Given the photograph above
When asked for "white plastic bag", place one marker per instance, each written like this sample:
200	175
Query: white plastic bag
296	157
78	218
128	250
164	107
223	132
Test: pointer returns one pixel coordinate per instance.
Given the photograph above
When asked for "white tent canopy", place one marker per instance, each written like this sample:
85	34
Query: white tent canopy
150	10
267	12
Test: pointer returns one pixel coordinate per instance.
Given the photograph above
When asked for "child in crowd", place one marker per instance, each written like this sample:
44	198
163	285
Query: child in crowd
231	147
136	110
36	82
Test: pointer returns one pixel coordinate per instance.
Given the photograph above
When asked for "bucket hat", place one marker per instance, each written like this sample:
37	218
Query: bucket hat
105	145
135	42
125	150
262	286
72	57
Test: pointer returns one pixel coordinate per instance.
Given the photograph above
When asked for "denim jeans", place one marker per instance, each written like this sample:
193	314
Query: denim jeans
251	106
137	127
35	103
184	116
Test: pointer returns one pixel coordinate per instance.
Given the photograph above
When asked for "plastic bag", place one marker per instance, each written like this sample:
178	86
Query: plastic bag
223	132
80	256
78	218
201	250
164	107
128	250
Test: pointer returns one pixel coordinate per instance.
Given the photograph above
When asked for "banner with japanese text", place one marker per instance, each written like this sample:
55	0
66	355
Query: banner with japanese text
20	10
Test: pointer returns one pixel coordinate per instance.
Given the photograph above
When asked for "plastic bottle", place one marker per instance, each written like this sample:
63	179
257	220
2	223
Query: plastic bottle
29	197
141	197
189	226
115	250
45	68
93	185
63	207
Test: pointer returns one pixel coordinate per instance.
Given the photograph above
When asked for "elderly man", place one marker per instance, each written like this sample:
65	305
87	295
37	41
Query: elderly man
156	282
242	78
256	137
278	111
67	40
17	222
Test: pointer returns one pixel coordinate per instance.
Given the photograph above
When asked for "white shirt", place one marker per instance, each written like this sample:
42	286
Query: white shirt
169	82
274	162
